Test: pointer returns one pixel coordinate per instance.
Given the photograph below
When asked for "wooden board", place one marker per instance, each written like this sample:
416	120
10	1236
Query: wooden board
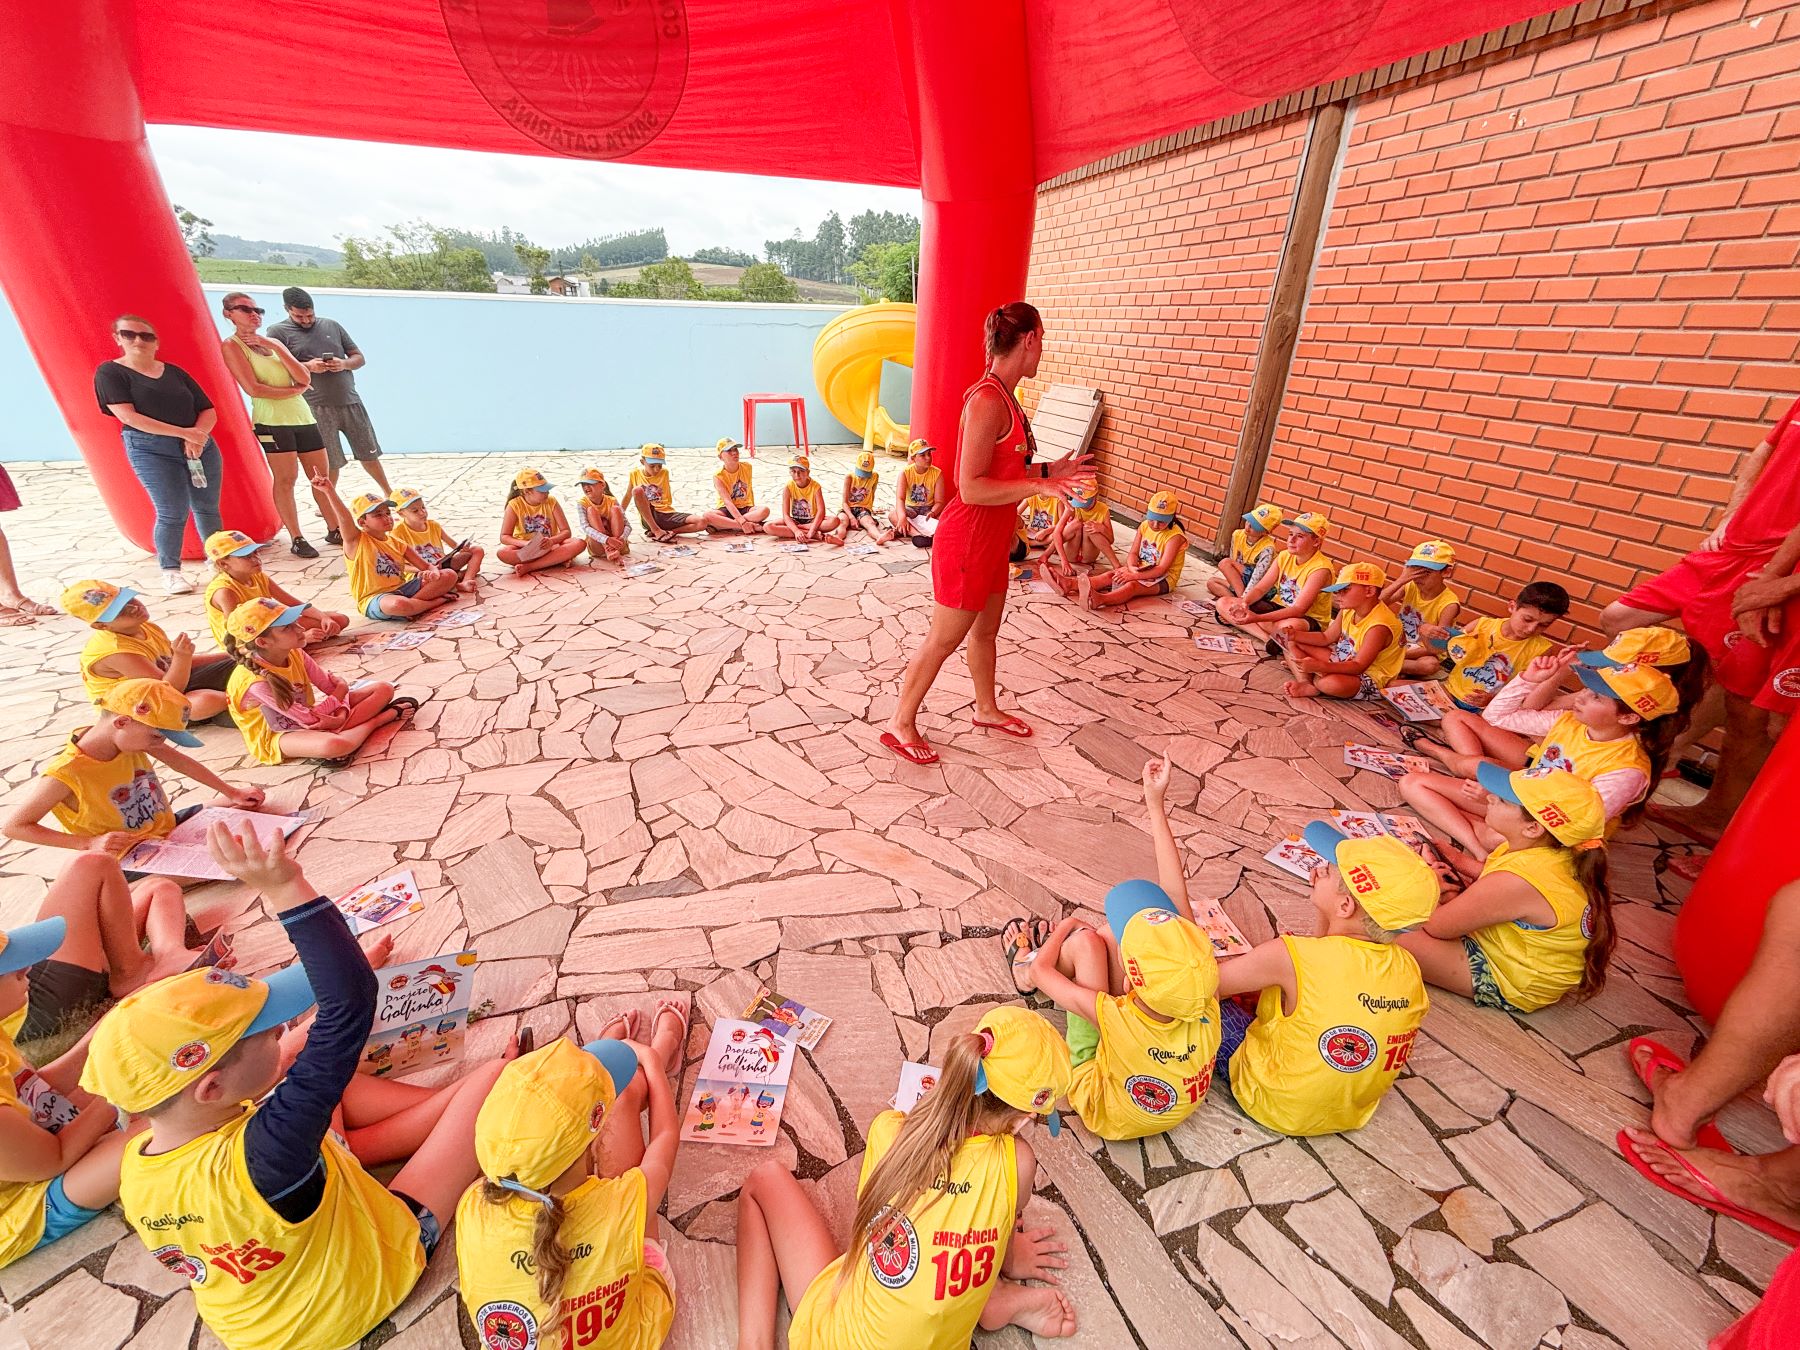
1065	419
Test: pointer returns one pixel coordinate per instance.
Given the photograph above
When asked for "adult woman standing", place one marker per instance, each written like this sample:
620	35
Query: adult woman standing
994	473
269	373
166	422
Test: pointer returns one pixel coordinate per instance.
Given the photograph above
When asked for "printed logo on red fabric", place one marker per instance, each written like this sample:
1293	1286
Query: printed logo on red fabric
591	79
191	1056
1150	1095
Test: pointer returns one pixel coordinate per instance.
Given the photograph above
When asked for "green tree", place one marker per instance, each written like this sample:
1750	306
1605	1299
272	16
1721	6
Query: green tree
765	282
886	271
880	227
671	279
418	256
589	264
534	260
829	241
194	232
724	257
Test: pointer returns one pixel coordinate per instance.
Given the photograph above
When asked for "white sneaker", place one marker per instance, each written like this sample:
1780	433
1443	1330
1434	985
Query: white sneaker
175	582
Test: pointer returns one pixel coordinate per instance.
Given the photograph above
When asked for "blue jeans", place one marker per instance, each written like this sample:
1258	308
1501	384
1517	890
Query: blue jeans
160	463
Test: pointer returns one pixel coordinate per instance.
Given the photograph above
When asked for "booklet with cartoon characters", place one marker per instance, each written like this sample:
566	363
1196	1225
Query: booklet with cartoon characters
786	1017
422	1018
1292	855
1422	702
183	851
740	1087
1379	759
915	1081
393	897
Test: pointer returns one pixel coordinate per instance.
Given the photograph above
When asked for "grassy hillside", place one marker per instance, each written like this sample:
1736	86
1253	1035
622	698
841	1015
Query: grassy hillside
718	274
266	274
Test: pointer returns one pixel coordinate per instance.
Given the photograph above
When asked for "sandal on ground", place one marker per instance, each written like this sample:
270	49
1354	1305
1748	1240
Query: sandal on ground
682	1008
1023	937
405	704
1008	725
1661	1057
1714	1199
15	618
913	752
35	607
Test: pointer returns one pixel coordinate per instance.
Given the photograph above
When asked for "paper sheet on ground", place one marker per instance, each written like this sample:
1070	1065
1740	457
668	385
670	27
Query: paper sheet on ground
380	902
1227	939
183	852
679	551
740	1087
1379	759
795	547
740	546
1224	642
642	569
787	1017
915	1081
1292	855
422	1018
1425	701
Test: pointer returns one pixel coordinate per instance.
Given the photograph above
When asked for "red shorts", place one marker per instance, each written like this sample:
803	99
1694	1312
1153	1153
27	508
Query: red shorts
1699	589
1770	1324
969	563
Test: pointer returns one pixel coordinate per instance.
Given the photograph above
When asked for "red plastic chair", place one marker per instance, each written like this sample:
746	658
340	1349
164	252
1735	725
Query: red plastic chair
796	405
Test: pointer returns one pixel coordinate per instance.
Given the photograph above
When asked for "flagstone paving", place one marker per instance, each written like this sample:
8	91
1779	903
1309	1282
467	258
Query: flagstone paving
621	787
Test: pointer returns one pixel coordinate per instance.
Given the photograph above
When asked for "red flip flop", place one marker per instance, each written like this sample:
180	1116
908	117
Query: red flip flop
913	752
1661	1057
1713	1199
1012	726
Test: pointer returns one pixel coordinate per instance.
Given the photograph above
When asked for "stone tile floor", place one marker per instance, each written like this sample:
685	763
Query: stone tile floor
673	783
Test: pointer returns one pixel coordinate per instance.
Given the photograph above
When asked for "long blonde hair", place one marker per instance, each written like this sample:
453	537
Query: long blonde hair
927	1142
244	653
549	1258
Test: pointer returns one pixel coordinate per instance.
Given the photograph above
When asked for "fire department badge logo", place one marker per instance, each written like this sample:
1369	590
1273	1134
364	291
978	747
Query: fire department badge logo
506	1326
1347	1049
1150	1094
189	1268
191	1056
1787	682
894	1251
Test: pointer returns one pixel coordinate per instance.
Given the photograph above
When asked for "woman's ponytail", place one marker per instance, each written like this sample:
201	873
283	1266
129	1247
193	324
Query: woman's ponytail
1009	325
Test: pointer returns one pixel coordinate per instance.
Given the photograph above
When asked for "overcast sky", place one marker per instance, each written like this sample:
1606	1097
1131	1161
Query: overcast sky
304	190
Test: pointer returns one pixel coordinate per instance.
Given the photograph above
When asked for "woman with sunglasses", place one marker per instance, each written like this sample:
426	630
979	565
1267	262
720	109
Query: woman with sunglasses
166	422
269	373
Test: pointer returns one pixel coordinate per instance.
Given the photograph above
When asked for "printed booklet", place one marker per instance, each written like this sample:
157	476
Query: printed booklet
1425	701
1379	759
1292	855
183	852
915	1081
423	1016
393	897
741	1086
785	1017
1224	643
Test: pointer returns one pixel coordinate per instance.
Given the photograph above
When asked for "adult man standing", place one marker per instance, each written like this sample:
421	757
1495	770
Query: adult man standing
323	347
1738	596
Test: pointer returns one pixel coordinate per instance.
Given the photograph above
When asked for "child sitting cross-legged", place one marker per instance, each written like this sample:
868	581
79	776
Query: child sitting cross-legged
803	517
602	519
651	490
1083	536
1156	556
933	1248
286	1240
1489	652
1040	522
126	645
737	512
1291	595
239	576
1336	1013
388	580
1427	607
919	500
860	485
532	514
1252	553
1361	650
415	529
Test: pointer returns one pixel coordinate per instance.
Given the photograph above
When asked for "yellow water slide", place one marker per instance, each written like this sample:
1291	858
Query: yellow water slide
847	360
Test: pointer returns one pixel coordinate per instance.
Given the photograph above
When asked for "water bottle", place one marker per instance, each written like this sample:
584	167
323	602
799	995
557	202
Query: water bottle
196	472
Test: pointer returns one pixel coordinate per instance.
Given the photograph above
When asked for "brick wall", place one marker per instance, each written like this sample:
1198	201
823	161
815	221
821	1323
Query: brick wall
1555	303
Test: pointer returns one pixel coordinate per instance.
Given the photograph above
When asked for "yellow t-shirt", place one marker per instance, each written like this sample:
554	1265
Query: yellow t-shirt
256	588
149	642
21	1202
1246	554
1039	513
919	489
656	486
1324	1067
1146	1076
923	1283
430	543
1149	544
375	567
1291	575
1501	658
1352	630
1567	745
261	739
738	487
260	1282
611	1299
859	493
1535	967
1415	609
121	793
529	520
803	505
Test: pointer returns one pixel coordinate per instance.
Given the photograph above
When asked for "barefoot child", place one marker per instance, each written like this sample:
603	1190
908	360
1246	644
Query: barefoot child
415	529
237	560
803	510
286	704
1336	1013
920	499
1084	535
102	786
1362	649
533	514
1158	553
126	646
1536	925
737	512
650	489
1489	652
291	1243
1291	596
1427	607
378	565
1252	553
602	518
932	1253
567	1179
859	499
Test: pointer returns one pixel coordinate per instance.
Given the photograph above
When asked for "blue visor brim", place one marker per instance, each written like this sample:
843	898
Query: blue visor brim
1599	661
125	596
618	1059
186	739
1323	839
30	943
290	994
1427	564
1595	681
1133	897
1497	781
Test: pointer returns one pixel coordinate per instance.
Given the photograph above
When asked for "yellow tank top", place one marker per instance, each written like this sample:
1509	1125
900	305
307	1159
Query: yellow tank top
376	566
275	412
1150	545
261	739
805	504
1567	745
1535	967
1415	609
21	1202
529	520
739	488
260	1282
430	543
1095	514
1388	661
655	485
256	588
611	1299
1501	659
860	492
1040	512
1246	554
121	793
149	642
1146	1076
919	489
923	1282
1324	1067
1291	575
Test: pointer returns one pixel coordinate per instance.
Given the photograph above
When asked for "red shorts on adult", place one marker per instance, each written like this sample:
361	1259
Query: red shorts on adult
969	564
1699	589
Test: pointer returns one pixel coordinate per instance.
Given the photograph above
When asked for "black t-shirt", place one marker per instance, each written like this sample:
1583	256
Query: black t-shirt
174	396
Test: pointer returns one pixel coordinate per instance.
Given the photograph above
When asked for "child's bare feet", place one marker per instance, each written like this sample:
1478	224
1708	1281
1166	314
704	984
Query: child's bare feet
379	950
1300	689
1045	1312
1084	590
521	571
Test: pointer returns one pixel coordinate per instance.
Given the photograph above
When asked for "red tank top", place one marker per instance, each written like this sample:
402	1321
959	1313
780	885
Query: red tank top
1016	447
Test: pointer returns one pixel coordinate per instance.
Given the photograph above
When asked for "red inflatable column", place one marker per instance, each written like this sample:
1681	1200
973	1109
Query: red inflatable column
87	234
1718	928
975	162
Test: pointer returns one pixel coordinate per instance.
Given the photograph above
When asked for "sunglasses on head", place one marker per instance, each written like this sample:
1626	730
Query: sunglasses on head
250	309
134	335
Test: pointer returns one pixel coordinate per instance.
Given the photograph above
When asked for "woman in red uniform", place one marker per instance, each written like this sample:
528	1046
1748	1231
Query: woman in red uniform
994	473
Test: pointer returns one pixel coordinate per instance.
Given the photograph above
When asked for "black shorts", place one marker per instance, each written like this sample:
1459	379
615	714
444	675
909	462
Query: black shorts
60	994
1019	550
289	440
430	1231
210	672
858	514
669	520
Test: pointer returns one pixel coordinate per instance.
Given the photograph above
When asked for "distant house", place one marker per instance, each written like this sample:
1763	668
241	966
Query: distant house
507	283
566	286
512	283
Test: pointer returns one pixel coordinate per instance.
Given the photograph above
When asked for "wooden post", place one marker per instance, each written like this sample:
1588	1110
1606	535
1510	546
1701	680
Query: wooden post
1287	306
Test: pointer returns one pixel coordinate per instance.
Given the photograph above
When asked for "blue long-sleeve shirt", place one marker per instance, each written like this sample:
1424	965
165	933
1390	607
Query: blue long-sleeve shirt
283	1139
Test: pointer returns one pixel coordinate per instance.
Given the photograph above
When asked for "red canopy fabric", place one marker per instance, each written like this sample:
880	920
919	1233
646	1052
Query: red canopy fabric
794	88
